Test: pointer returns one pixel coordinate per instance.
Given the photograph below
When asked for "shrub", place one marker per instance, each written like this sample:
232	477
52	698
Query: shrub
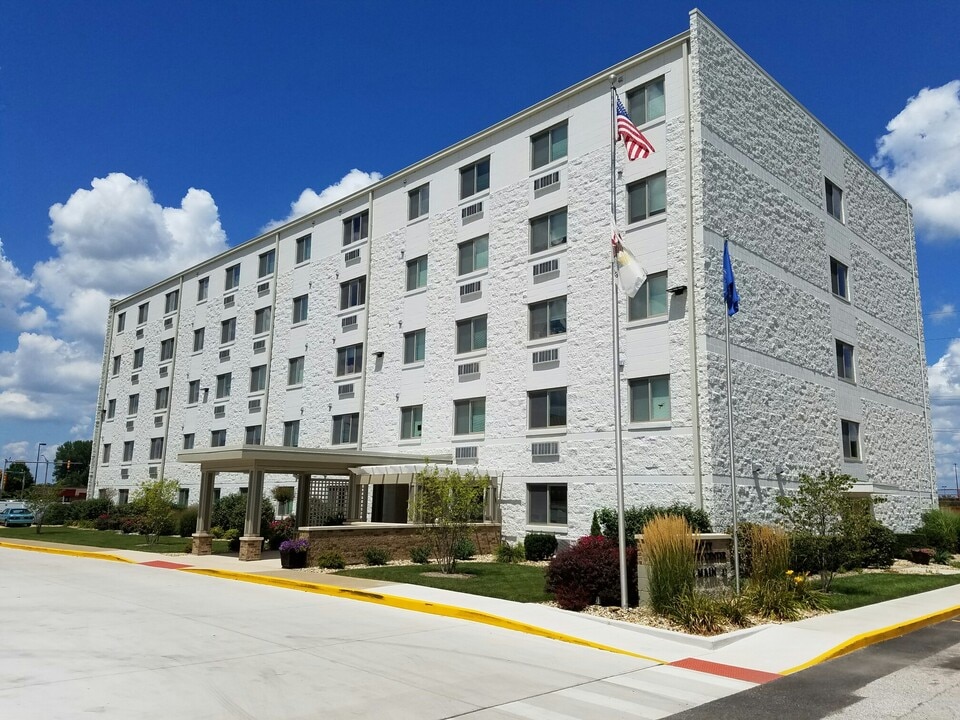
233	539
636	518
376	556
230	511
595	525
420	555
697	612
464	549
57	514
669	553
507	553
734	608
878	546
939	529
539	546
187	521
589	571
105	522
810	553
942	557
331	561
280	530
216	531
905	541
88	509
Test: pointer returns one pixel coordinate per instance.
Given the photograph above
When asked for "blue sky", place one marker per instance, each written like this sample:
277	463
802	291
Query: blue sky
111	112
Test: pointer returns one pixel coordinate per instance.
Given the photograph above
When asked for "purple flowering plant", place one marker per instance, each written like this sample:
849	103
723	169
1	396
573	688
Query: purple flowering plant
300	545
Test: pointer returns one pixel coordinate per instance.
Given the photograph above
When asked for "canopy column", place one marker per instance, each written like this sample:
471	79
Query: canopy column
251	543
202	539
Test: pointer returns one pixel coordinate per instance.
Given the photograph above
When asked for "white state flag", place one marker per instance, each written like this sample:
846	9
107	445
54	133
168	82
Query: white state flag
629	272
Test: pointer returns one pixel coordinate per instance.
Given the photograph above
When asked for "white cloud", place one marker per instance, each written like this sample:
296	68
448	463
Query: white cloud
20	406
944	377
920	157
945	312
16	450
115	239
15	310
311	200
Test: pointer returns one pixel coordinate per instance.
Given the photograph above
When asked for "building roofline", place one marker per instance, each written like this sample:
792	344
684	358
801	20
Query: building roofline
518	117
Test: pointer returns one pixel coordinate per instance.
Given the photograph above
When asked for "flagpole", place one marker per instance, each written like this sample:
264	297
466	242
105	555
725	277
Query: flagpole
615	312
733	464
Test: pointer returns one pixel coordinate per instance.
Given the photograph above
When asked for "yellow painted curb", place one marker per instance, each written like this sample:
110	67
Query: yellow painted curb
876	636
64	551
423	606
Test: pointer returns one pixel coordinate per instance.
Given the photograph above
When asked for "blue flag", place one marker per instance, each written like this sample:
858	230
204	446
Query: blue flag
730	294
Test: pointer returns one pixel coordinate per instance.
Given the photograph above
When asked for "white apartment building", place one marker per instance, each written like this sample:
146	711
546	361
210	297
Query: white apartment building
462	307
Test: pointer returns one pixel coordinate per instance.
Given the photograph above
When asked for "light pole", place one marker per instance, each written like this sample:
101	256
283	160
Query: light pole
956	481
40	445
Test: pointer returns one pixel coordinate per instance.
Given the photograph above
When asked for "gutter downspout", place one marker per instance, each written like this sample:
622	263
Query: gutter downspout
101	395
691	305
173	375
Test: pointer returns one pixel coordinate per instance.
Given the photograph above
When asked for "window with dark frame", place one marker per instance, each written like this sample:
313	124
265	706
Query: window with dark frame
303	249
349	360
295	371
472	255
419	202
469	416
651	298
548	146
839	279
411	422
474	178
345	428
850	434
414	346
647	198
353	293
547	504
301	307
356	228
547	408
417	273
548	231
845	368
266	264
646	102
471	334
548	318
834	198
231	278
650	399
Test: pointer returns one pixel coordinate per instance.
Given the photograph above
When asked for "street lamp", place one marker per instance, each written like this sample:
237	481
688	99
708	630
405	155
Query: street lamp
40	445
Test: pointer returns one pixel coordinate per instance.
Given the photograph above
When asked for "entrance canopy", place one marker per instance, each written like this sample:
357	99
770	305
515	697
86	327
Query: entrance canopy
405	474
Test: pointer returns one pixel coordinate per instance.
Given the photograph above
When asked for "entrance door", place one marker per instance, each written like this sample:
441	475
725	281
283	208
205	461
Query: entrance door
390	503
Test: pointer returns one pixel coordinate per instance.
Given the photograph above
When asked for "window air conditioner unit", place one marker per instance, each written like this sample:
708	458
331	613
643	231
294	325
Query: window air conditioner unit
545	181
545	451
466	454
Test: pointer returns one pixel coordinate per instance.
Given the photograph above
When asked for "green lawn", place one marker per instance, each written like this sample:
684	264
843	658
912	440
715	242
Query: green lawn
103	539
855	591
522	583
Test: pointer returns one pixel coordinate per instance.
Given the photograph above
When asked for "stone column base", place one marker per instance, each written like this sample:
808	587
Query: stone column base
250	548
202	544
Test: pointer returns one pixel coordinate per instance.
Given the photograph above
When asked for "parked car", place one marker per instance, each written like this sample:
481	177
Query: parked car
11	517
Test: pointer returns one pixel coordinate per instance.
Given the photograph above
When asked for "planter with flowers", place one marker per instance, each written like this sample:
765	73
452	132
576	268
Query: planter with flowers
293	553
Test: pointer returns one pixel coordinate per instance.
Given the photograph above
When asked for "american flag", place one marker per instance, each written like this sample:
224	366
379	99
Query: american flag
633	140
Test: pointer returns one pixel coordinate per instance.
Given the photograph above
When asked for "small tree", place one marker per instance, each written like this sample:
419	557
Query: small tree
445	502
816	512
17	479
72	466
156	497
38	498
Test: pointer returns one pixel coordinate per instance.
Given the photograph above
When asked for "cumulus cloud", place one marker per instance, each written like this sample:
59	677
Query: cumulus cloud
920	156
16	312
311	200
20	406
16	450
944	377
114	239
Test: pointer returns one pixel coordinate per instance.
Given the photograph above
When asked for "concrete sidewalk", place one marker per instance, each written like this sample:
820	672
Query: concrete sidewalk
754	655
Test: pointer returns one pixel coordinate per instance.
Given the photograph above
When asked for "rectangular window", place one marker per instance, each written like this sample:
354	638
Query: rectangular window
547	504
469	416
295	371
172	302
349	360
417	273
111	409
143	312
162	398
183	497
474	178
291	433
472	255
646	102
138	358
647	198
650	399
253	435
419	202
106	453
839	276
123	496
156	448
261	320
193	392
834	200
303	249
414	346
128	451
267	263
115	370
203	288
548	231
345	428
300	308
356	228
166	350
651	299
851	439
547	408
232	278
411	422
223	385
218	438
548	318
133	404
472	334
258	378
353	293
198	336
548	146
228	331
121	322
845	370
188	440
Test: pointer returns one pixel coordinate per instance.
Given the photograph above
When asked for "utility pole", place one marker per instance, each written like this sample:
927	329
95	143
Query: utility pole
956	481
36	473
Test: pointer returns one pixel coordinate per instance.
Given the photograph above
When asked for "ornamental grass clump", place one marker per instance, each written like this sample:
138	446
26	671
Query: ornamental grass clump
775	591
669	552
